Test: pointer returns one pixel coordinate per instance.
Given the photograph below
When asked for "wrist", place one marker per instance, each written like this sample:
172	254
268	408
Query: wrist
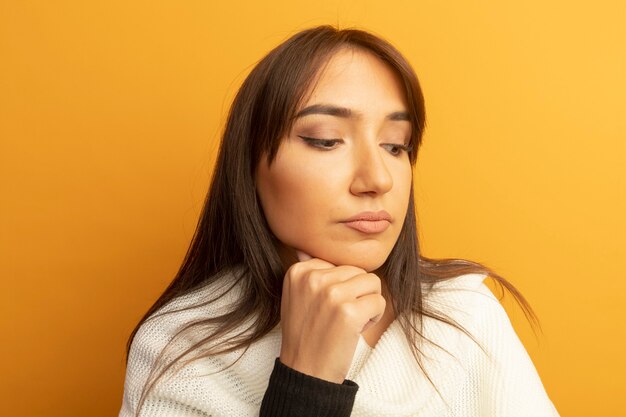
312	370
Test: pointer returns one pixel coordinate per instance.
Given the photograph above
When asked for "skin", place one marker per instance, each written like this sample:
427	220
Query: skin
332	292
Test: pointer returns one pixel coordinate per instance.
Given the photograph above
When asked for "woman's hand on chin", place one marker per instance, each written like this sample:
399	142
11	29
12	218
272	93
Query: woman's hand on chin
324	309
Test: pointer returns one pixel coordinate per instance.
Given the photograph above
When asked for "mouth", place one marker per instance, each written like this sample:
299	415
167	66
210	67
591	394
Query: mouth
369	222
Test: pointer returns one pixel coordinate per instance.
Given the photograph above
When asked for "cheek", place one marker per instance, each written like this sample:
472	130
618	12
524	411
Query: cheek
403	185
295	202
303	200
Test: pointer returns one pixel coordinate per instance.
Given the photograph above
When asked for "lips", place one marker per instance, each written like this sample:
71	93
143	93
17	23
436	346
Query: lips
369	221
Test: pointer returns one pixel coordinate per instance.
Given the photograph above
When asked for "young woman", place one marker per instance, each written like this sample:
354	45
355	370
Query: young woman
304	292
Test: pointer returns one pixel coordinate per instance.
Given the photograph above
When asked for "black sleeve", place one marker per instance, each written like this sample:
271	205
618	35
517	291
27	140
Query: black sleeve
292	393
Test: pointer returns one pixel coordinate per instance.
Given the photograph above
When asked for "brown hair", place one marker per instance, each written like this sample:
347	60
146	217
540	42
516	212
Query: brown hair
232	232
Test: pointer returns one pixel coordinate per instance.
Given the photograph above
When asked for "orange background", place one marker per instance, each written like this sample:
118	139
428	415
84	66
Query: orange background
110	113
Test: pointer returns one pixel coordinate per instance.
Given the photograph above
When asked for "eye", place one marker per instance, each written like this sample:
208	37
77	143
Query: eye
324	144
397	149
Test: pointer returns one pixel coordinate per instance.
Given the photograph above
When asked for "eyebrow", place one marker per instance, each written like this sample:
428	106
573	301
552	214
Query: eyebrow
344	112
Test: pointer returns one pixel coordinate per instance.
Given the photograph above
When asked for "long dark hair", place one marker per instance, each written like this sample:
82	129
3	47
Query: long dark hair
232	233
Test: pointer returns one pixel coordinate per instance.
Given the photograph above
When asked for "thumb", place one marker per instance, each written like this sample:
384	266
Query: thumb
302	256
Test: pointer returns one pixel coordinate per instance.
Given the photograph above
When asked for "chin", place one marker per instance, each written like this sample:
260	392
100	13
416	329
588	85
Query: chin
370	266
368	261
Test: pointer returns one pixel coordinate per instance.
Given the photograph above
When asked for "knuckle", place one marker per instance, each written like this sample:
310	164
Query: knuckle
349	270
375	279
313	281
332	294
345	312
294	271
357	271
314	274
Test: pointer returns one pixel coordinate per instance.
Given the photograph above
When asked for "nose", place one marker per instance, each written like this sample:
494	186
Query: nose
371	174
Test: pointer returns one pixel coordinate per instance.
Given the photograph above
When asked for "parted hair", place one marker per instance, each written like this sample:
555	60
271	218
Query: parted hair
232	232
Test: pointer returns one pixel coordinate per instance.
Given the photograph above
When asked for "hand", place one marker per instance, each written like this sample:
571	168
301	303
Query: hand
324	309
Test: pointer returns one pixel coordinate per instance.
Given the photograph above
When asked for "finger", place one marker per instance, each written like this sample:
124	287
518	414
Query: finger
302	256
314	263
348	272
316	274
371	307
369	324
356	286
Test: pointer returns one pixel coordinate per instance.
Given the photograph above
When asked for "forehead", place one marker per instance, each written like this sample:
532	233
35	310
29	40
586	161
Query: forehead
358	80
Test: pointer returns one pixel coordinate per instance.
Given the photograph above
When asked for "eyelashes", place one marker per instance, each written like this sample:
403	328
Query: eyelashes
394	149
326	144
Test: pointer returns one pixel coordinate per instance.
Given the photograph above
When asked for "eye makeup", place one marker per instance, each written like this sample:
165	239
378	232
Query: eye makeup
321	133
325	144
395	149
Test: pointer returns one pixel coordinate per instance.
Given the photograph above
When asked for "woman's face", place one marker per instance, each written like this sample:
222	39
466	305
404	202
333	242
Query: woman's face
339	186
